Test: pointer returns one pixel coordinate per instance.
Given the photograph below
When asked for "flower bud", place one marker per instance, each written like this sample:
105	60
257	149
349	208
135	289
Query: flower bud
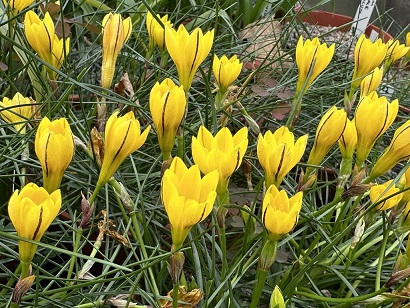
122	137
395	51
116	32
328	132
311	56
54	146
31	211
17	111
187	51
276	299
386	192
347	142
17	5
167	104
382	114
226	71
371	82
156	31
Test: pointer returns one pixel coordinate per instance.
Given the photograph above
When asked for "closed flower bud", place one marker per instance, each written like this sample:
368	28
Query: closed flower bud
367	56
167	105
17	5
278	153
54	145
42	38
226	71
279	212
311	56
276	299
31	211
371	82
188	199
395	52
16	111
122	137
188	51
223	152
328	132
397	151
373	117
116	32
383	192
156	31
348	140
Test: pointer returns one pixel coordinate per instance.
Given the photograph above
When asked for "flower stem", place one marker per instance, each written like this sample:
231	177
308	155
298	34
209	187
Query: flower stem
257	290
175	295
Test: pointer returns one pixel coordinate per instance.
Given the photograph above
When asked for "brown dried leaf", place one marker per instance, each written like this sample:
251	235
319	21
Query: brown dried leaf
280	111
97	145
124	87
191	298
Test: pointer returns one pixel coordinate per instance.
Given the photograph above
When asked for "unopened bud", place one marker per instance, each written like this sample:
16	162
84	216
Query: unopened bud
87	211
176	265
21	288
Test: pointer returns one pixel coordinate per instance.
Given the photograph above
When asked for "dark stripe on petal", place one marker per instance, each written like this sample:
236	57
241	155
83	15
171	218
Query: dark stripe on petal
122	144
280	162
46	155
196	53
163	113
40	220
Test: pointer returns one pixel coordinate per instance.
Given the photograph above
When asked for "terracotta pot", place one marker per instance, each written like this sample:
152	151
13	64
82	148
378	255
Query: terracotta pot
343	22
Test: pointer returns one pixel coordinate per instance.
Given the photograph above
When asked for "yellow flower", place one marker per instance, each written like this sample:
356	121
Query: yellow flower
116	32
278	153
42	38
188	199
373	117
311	55
371	82
156	31
279	212
188	51
367	56
54	147
17	5
223	152
408	44
405	184
16	111
395	52
397	151
348	141
226	71
276	299
31	211
167	105
328	132
380	192
122	137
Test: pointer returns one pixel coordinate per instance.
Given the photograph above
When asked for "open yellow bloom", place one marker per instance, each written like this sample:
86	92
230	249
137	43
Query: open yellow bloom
395	51
116	32
226	71
371	82
367	56
156	31
42	38
373	117
311	55
167	105
278	153
16	111
32	211
328	132
188	51
379	192
397	151
348	141
54	147
279	212
17	5
122	137
223	152
188	199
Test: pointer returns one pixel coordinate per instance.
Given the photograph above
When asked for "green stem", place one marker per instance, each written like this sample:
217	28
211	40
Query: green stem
175	295
257	290
25	269
76	247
